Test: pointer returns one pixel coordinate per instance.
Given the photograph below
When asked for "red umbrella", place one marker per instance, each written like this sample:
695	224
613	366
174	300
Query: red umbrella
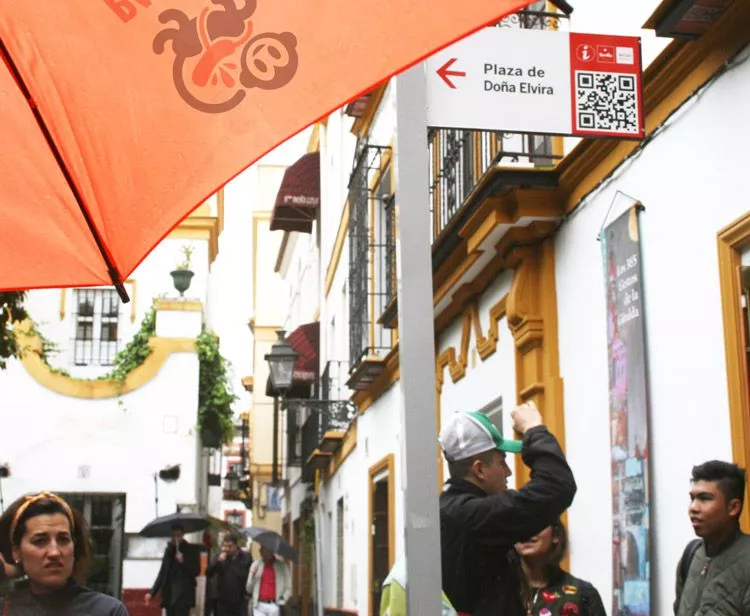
121	116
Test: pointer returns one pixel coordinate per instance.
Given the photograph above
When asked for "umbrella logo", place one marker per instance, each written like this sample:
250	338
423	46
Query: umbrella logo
218	56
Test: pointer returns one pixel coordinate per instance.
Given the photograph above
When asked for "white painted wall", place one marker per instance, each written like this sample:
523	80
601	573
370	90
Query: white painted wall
378	435
688	198
65	444
487	380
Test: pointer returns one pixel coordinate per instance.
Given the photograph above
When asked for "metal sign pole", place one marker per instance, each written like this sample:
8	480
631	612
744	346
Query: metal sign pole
417	347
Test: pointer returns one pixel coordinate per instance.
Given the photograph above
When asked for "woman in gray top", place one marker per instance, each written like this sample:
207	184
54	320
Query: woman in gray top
46	542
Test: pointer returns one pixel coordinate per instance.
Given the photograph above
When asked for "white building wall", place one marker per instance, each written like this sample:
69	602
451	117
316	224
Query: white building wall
485	380
688	199
90	446
378	435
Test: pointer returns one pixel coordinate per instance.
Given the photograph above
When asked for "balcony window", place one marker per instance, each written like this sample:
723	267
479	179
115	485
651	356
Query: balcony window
370	235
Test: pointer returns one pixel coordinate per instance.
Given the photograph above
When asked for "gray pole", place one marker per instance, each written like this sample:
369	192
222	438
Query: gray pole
156	493
417	347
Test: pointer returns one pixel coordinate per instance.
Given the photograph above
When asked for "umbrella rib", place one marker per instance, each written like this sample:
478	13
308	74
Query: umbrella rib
111	268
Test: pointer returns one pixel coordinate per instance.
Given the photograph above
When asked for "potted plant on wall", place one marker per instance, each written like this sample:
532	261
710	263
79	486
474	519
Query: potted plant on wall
182	274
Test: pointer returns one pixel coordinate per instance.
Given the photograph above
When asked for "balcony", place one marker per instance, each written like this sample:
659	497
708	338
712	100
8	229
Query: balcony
461	159
371	261
326	421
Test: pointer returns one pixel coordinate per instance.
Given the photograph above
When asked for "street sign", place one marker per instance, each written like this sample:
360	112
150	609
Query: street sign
538	81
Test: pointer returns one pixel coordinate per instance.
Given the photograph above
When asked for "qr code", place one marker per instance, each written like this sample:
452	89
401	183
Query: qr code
606	102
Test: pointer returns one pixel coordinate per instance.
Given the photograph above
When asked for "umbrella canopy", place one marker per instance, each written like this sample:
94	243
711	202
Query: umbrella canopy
273	541
162	526
116	130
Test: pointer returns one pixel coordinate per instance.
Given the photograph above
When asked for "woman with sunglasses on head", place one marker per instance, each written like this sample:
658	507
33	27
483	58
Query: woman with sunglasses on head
46	542
548	589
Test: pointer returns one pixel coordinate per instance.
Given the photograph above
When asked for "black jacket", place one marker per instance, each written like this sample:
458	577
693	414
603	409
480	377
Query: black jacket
176	581
478	531
71	600
232	577
566	595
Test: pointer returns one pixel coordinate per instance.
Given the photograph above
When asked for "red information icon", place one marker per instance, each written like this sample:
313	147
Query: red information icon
586	52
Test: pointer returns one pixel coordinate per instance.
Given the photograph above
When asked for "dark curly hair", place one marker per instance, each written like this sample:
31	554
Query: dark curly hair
12	530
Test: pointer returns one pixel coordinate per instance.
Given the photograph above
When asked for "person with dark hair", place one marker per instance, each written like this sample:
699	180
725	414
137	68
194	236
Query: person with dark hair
46	541
546	587
481	519
180	566
231	568
713	574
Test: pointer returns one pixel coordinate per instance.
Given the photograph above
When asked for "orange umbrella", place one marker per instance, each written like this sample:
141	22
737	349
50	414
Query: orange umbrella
121	116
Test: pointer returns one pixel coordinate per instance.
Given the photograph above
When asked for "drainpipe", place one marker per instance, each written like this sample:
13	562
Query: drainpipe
319	555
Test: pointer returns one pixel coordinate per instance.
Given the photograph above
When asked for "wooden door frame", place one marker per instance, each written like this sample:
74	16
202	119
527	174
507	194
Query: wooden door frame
385	464
731	241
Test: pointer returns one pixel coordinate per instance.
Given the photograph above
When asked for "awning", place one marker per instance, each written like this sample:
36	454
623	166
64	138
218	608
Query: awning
298	199
305	340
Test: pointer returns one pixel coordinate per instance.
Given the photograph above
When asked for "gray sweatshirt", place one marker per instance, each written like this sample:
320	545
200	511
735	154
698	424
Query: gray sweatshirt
71	600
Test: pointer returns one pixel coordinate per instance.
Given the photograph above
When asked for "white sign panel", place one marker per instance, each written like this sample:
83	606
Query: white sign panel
538	81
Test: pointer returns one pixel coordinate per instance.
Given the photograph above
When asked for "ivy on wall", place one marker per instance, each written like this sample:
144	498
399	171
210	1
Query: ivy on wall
215	397
11	311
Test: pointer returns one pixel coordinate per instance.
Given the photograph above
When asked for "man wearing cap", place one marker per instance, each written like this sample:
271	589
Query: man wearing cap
481	519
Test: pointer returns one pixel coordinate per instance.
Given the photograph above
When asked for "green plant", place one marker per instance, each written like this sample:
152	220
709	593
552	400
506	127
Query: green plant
134	353
307	543
187	255
47	349
128	359
215	396
11	311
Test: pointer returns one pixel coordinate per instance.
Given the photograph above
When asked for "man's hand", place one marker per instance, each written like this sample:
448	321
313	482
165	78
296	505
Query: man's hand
179	557
525	417
222	557
147	598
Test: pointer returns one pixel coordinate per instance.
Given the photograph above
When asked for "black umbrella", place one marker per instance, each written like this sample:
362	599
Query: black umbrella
162	527
273	541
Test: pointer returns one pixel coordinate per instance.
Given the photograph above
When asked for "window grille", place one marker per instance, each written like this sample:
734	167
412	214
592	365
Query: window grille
96	318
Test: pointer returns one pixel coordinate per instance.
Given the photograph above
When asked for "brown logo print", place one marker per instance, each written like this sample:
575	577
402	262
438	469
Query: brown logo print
217	55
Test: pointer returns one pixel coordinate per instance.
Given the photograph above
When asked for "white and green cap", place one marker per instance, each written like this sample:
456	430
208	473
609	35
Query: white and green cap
468	434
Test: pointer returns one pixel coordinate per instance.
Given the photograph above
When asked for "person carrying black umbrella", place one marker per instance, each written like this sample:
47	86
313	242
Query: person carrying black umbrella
180	566
268	584
231	567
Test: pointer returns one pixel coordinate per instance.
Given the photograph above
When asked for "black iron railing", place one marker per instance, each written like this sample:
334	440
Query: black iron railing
459	158
310	440
536	17
368	251
293	438
391	275
333	381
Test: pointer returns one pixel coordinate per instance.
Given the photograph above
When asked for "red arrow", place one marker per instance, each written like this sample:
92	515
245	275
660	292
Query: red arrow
444	73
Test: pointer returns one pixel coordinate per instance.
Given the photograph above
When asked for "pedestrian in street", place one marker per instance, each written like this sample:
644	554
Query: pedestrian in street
176	579
46	541
481	519
231	568
713	575
546	587
269	584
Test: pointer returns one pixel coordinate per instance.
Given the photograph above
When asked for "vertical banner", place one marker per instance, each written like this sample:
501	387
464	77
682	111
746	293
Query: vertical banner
628	411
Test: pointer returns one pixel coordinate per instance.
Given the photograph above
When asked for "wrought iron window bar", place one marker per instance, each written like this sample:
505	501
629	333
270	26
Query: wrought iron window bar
96	322
367	258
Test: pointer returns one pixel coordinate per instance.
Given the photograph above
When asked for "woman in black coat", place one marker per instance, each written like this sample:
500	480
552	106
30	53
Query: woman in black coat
547	588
